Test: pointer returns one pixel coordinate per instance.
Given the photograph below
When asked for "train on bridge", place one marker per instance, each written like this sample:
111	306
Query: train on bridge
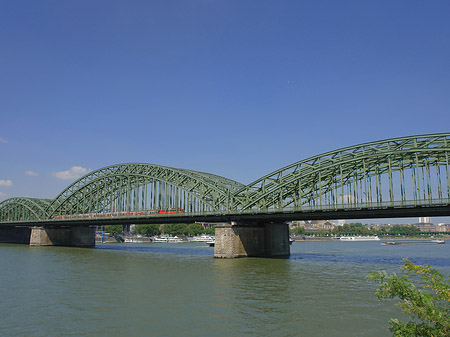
119	214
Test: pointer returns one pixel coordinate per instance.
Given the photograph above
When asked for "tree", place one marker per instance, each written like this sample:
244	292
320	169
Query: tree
175	229
113	229
356	228
195	229
430	303
404	230
299	231
152	229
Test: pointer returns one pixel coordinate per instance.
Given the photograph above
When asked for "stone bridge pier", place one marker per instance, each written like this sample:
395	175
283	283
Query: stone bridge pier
63	236
252	240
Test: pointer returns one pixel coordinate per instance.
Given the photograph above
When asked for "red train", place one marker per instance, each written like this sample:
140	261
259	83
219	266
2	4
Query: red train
117	214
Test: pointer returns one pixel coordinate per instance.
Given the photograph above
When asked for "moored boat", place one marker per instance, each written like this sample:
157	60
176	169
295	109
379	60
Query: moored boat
203	238
160	239
174	239
358	238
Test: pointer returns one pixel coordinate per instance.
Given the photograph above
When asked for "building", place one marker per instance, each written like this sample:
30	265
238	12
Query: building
425	220
317	225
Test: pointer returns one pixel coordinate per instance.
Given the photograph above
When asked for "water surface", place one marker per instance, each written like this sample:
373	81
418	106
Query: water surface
181	290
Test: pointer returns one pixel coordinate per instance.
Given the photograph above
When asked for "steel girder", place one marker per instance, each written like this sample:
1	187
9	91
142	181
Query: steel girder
400	170
21	209
135	187
408	168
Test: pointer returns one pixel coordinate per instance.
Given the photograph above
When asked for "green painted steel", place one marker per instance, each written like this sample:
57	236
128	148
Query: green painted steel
17	209
126	188
399	172
408	170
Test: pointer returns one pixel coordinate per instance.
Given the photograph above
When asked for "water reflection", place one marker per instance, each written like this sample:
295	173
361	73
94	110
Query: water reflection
180	289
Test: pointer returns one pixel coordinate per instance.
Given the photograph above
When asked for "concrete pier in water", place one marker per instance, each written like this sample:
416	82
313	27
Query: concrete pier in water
66	236
252	240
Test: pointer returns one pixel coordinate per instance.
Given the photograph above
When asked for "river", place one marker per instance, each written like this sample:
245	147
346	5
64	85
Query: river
181	290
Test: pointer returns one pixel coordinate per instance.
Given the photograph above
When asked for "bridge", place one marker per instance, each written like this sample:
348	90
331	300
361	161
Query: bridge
399	177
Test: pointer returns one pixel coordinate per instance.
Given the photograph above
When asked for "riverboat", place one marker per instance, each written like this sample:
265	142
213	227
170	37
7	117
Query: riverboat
160	239
167	239
203	238
415	242
211	243
358	238
174	239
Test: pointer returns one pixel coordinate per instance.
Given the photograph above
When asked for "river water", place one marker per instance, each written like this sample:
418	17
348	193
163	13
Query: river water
181	290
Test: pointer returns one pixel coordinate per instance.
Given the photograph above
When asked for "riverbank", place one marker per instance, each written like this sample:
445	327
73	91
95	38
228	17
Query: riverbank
446	237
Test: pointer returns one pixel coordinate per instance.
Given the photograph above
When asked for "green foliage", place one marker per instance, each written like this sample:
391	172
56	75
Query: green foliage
171	229
209	231
152	229
353	229
403	230
195	229
113	229
428	304
175	229
299	231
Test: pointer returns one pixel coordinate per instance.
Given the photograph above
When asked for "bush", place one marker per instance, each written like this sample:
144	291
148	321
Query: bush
428	305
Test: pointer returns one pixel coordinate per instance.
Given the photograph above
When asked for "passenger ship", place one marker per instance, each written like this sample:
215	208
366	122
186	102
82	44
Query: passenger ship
357	238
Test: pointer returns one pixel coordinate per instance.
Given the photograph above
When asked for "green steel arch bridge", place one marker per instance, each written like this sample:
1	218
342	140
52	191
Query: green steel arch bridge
399	177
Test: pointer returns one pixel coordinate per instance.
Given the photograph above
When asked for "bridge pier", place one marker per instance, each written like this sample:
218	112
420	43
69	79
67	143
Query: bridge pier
63	236
252	240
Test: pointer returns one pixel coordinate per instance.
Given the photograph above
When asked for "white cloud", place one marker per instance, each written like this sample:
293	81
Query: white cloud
74	172
6	182
32	173
3	140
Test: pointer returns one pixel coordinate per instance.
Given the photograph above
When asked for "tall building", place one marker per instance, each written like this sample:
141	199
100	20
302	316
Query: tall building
425	220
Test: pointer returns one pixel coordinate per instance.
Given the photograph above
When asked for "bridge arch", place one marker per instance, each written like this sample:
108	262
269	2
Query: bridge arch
136	186
23	209
408	170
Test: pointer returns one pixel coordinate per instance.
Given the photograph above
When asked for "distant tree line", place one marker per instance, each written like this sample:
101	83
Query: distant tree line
357	228
155	229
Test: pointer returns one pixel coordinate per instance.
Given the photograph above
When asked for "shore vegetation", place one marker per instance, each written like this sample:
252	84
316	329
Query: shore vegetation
424	296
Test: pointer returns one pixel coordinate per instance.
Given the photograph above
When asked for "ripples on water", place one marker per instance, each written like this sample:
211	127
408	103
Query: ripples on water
181	290
350	257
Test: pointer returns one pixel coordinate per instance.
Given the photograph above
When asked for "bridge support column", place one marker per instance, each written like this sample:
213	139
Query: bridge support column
252	240
66	236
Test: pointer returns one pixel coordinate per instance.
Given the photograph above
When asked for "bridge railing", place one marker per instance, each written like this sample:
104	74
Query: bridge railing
299	209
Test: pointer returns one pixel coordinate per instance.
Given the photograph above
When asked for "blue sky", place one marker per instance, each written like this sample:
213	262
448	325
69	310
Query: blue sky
235	88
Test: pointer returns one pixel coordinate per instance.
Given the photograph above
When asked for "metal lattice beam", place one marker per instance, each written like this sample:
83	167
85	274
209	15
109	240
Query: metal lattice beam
410	171
359	174
135	187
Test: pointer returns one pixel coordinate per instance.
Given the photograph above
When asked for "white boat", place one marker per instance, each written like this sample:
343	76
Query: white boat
439	241
174	239
203	238
128	240
167	239
211	243
358	238
160	239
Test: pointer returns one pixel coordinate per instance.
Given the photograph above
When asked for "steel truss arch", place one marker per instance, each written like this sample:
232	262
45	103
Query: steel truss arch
23	209
402	169
136	187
